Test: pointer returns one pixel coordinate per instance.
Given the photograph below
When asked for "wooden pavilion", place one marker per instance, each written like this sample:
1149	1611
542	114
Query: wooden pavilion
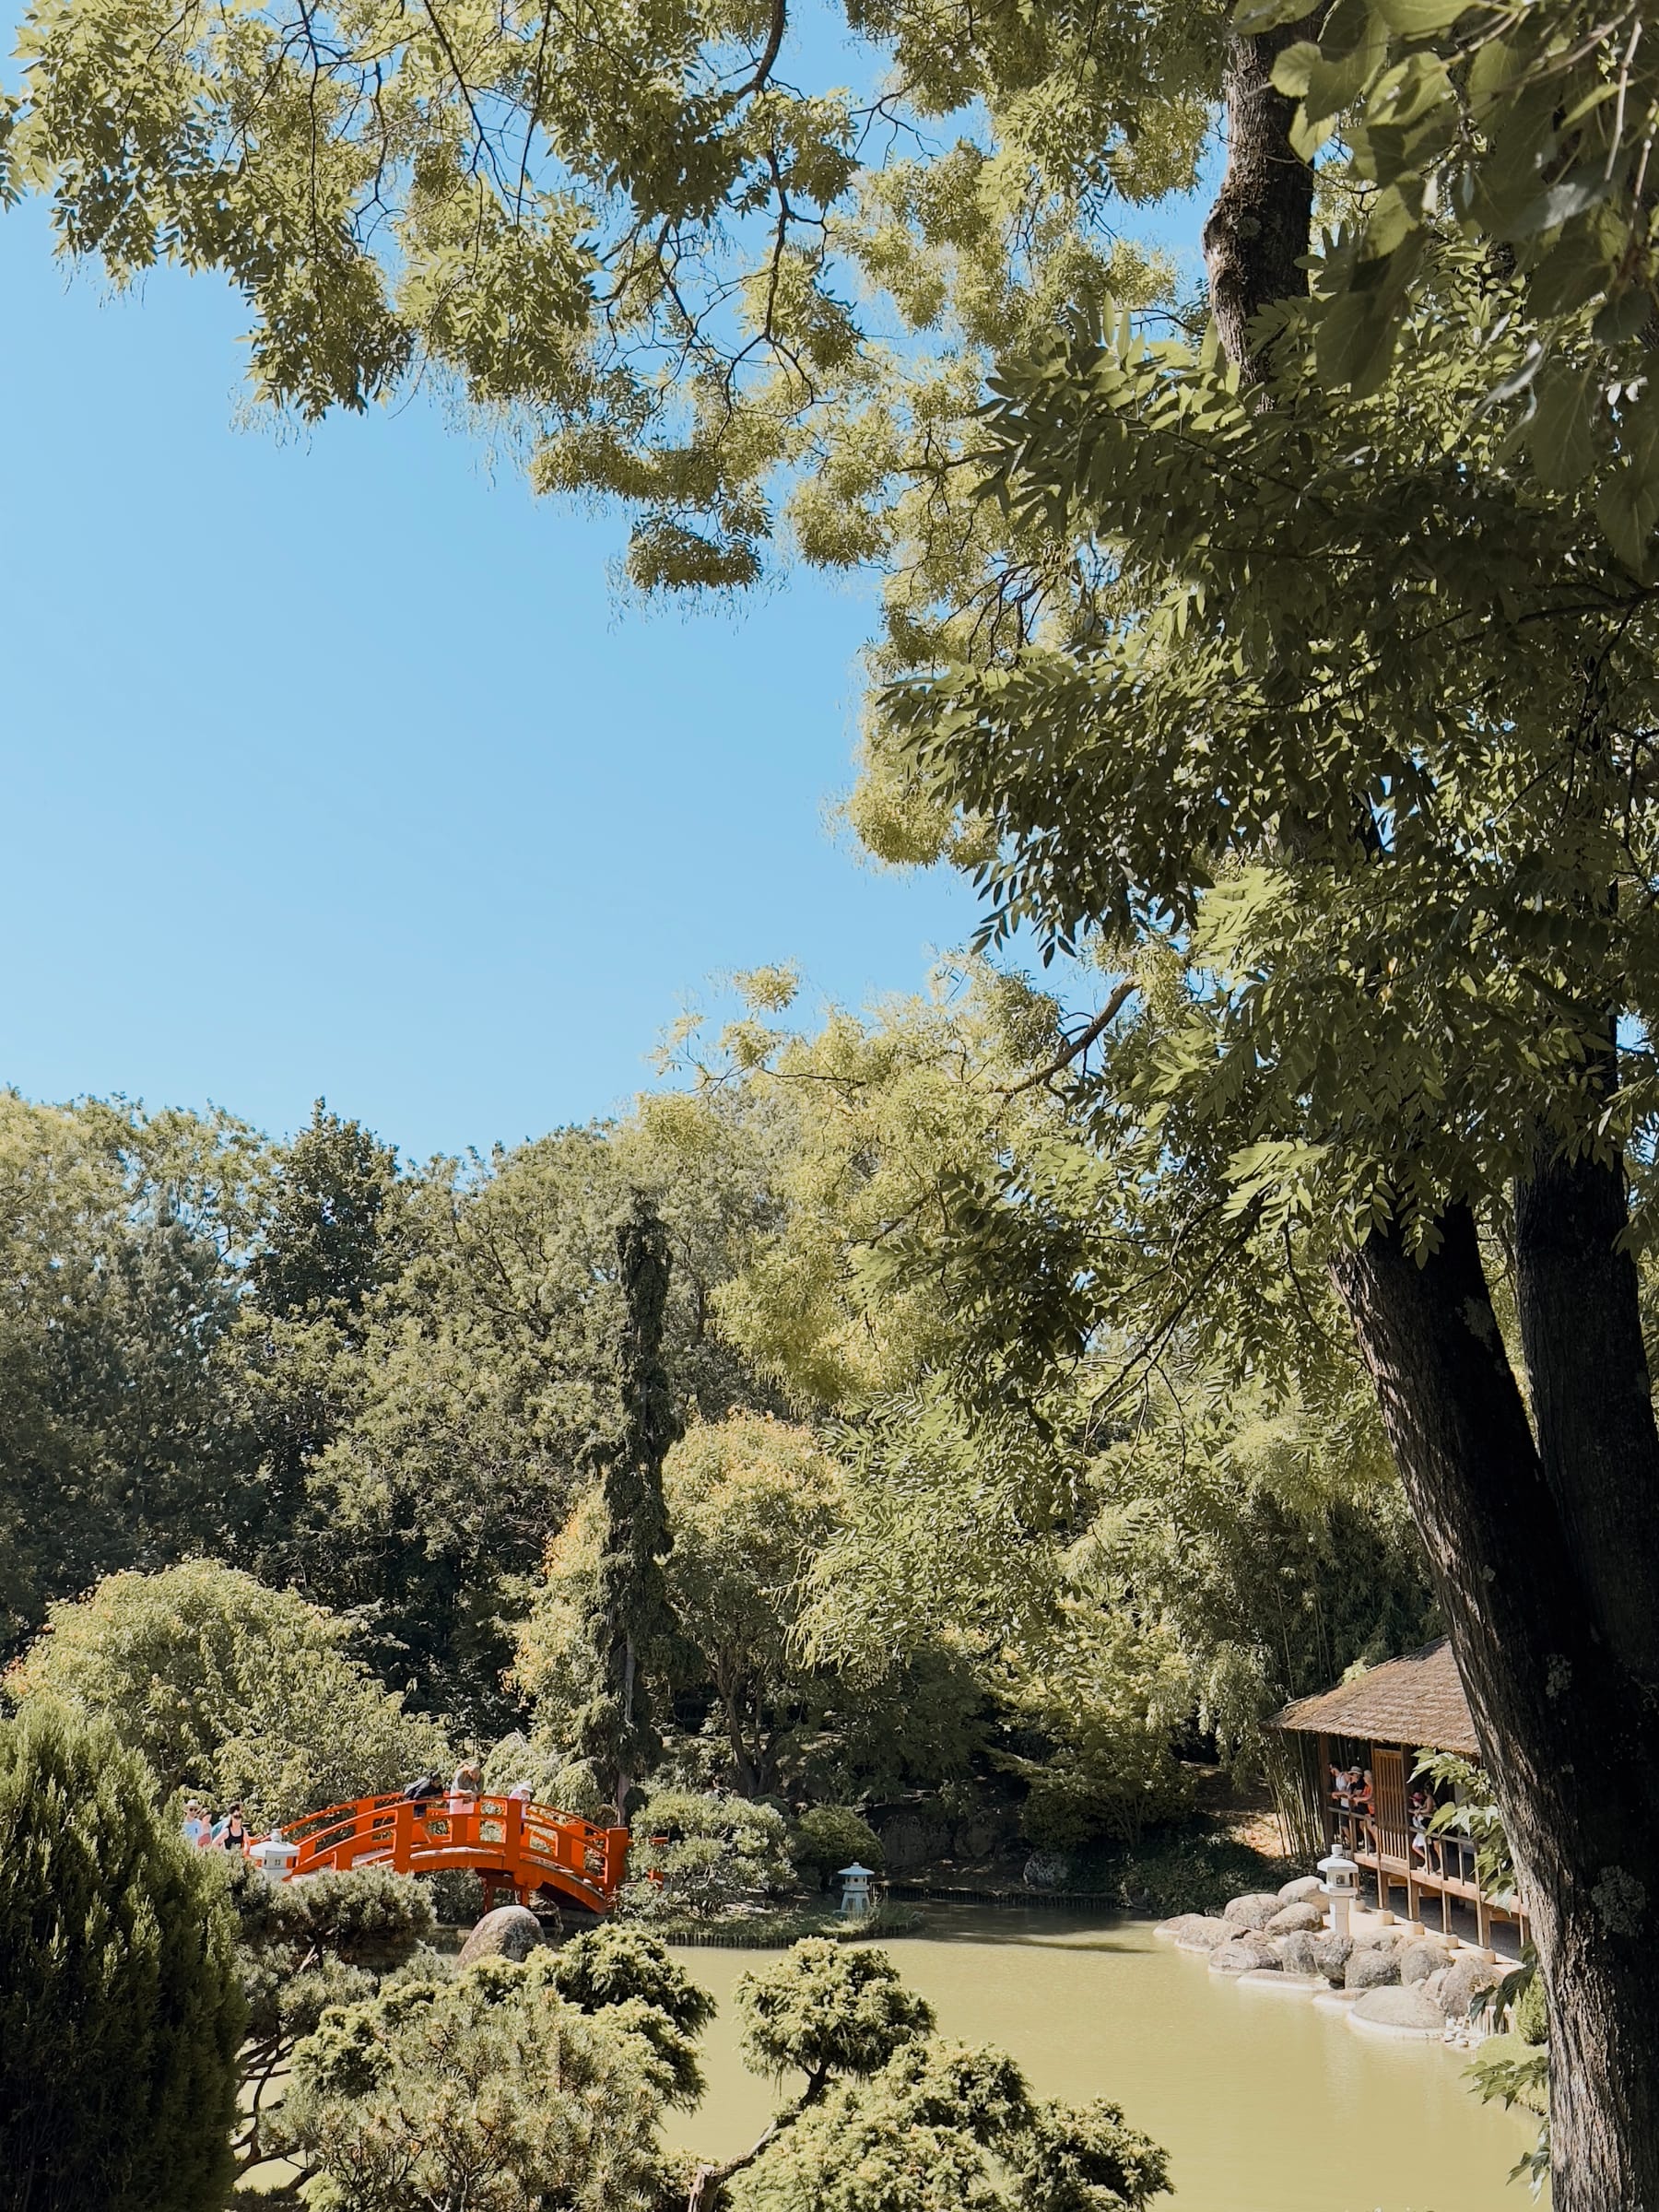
1380	1721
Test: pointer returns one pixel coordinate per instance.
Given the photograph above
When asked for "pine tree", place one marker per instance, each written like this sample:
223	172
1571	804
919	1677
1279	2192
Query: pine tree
121	2011
614	1730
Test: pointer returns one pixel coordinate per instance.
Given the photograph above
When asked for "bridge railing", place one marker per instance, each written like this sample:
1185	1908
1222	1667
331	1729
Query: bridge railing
524	1844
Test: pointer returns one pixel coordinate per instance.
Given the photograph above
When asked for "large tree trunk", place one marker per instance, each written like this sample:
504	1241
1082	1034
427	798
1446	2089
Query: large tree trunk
1546	1548
1257	231
1566	1728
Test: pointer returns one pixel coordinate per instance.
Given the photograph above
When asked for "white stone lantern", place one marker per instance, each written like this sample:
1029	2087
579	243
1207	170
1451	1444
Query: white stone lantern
273	1855
856	1890
1341	1885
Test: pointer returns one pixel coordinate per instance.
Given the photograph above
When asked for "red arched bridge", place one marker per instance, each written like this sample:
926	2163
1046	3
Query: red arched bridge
512	1844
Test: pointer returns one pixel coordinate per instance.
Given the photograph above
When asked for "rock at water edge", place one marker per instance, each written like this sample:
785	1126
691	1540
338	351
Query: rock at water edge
509	1931
1406	2012
1305	1890
1253	1911
1194	1931
1371	1970
1245	1956
1295	1920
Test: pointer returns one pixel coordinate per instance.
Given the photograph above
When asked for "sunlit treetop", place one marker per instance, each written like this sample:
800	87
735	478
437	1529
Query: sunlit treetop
636	237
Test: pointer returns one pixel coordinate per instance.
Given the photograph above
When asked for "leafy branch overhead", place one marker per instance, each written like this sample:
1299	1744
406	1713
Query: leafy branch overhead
1530	129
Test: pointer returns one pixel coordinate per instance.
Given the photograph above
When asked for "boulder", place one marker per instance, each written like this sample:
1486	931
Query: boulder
509	1931
1371	1968
1194	1931
1043	1870
1331	1955
1421	1958
1468	1978
1402	2011
1248	1953
975	1837
1252	1911
1304	1890
1300	1952
1295	1920
903	1844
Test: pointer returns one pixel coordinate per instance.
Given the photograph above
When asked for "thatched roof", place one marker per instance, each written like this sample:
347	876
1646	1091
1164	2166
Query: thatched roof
1418	1702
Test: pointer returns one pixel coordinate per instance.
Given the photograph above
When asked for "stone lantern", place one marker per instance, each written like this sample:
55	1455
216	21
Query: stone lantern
856	1890
273	1855
1341	1885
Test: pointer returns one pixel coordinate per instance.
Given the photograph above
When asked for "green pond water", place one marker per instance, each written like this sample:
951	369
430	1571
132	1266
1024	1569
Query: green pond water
1264	2104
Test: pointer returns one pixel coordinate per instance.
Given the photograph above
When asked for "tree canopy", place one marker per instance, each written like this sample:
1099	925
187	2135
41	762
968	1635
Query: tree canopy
121	2010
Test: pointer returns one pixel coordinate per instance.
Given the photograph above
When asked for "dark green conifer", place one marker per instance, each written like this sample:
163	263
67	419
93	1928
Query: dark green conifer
614	1730
121	2011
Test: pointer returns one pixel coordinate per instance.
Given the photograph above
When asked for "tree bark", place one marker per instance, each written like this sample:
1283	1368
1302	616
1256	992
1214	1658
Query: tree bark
1567	1733
1258	228
1544	1546
1592	1395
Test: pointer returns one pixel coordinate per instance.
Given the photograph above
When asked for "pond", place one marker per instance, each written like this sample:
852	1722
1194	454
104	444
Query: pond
1264	2104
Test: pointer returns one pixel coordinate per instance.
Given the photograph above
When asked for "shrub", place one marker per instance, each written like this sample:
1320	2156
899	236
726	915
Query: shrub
223	1684
1183	1873
490	2088
823	2010
303	1946
712	1855
121	2011
828	1837
614	1966
1530	2015
894	2120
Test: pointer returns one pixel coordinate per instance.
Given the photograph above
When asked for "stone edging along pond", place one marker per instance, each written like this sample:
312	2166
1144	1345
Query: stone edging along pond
1387	1980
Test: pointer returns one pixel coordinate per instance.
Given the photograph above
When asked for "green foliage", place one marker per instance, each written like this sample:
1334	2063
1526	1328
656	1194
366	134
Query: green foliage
614	1965
828	1837
1530	2015
329	1223
425	1449
1087	2159
301	1948
613	1729
822	2011
750	1502
1103	1693
1471	1812
120	1439
120	2009
641	239
1184	1873
1499	2075
699	1856
225	1685
754	1505
938	2127
492	2082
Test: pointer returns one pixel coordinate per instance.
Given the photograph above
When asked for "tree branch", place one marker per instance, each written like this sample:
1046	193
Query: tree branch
1079	1045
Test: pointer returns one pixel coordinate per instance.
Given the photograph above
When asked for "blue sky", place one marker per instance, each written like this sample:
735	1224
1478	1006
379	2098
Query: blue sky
330	766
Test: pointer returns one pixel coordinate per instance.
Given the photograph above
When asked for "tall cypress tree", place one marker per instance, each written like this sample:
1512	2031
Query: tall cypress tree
615	1731
121	2010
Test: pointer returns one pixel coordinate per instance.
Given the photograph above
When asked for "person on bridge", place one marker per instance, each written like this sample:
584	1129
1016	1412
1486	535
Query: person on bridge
423	1788
231	1833
195	1823
469	1781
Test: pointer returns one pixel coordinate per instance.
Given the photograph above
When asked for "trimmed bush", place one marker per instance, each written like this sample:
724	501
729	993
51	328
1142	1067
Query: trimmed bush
231	1688
828	1837
710	1855
121	2010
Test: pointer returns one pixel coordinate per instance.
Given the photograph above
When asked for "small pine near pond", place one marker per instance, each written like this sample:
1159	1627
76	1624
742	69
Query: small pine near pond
1264	2105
